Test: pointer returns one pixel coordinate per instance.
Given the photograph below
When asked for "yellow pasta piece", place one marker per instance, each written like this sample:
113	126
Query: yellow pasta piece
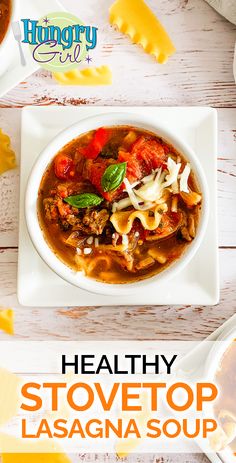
7	321
158	255
123	221
192	198
35	458
9	396
134	18
39	452
90	76
7	155
106	262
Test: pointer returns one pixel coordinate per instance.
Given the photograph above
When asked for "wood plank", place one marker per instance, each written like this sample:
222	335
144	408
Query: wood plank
200	73
118	323
9	182
139	458
227	177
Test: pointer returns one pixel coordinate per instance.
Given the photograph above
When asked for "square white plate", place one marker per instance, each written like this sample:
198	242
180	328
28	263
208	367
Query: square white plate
14	72
197	284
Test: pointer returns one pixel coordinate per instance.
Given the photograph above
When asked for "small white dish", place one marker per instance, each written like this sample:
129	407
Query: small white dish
218	350
31	210
195	284
201	364
12	72
213	363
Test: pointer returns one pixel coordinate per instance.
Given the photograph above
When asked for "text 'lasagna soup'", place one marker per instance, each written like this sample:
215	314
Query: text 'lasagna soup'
120	204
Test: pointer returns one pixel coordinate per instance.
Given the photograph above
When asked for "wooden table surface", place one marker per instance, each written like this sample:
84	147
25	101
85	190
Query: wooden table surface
200	73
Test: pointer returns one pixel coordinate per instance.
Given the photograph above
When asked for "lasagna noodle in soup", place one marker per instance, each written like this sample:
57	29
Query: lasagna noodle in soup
5	14
120	204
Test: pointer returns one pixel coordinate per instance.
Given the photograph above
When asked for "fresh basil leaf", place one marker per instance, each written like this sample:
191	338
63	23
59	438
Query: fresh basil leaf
84	200
113	176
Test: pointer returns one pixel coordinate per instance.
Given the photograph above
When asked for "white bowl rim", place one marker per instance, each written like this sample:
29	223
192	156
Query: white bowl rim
5	43
44	159
218	350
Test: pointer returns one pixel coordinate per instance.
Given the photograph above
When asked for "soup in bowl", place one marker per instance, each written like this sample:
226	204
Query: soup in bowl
8	14
119	204
5	16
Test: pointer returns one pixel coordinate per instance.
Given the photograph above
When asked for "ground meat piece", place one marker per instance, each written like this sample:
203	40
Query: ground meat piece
73	219
56	209
63	208
185	234
184	231
51	210
95	221
64	225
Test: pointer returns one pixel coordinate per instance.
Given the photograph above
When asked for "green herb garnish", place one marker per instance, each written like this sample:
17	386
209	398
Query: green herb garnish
84	200
113	176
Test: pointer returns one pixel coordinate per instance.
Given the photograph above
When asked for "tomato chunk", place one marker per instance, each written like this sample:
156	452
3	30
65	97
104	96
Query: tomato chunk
134	171
146	155
169	222
96	145
150	153
94	172
64	167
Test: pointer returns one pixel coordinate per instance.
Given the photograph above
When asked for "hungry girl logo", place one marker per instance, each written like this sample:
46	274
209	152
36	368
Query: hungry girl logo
59	41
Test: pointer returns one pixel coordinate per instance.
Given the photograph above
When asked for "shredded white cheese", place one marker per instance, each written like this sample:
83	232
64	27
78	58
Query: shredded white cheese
175	187
152	190
135	201
90	240
123	203
184	179
125	240
96	242
149	178
114	207
173	169
87	251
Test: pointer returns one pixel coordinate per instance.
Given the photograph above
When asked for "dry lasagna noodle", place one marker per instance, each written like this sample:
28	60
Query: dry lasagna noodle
39	452
90	76
134	18
7	155
7	321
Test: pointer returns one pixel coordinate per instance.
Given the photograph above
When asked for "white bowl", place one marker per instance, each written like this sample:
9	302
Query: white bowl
213	363
8	43
45	158
218	351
